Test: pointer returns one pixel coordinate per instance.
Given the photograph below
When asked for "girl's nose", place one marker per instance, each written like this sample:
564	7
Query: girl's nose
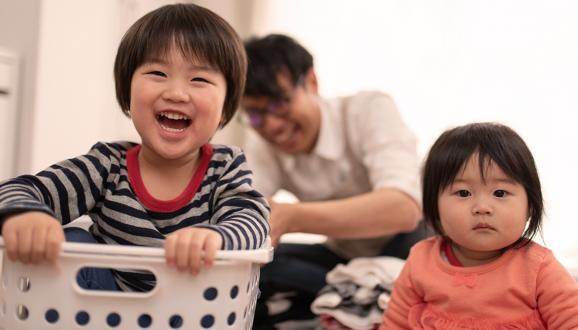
482	208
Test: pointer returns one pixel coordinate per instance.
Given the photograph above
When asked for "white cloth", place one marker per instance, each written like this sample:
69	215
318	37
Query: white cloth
363	145
367	272
372	278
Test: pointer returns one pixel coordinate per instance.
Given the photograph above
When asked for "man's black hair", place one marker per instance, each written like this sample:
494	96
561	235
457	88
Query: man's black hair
268	57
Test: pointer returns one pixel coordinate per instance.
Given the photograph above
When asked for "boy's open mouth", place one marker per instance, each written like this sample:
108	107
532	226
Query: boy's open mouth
173	122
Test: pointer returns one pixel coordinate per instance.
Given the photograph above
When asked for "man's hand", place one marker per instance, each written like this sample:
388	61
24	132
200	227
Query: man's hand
191	248
32	237
280	220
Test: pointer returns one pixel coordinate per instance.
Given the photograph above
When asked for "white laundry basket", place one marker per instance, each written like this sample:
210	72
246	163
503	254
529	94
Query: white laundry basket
48	297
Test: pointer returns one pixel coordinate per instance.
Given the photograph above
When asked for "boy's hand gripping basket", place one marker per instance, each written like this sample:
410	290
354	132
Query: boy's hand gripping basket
48	297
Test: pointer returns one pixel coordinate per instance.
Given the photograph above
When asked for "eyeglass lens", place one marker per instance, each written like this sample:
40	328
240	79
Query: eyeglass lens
275	108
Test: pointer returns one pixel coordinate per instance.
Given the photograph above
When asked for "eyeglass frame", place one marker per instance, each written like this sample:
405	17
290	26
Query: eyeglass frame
278	107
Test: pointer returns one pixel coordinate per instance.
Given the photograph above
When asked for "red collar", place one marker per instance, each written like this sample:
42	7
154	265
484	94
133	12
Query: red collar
449	252
178	202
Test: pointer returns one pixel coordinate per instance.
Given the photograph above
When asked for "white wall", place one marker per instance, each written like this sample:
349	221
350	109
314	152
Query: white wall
75	104
448	62
444	61
19	35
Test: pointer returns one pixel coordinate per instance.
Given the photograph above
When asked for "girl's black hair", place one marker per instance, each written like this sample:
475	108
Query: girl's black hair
493	143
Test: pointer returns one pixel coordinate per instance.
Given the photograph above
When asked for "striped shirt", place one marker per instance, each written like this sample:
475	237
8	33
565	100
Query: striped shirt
106	185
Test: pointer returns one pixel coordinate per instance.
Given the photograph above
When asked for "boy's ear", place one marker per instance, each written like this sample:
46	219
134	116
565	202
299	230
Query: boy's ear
311	81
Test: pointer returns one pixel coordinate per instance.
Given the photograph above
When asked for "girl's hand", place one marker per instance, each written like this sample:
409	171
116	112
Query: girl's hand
32	237
191	248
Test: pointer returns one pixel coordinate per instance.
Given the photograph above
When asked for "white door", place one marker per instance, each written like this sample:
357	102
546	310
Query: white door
8	111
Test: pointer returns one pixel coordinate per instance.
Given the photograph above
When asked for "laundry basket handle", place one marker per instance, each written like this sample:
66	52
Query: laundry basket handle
261	255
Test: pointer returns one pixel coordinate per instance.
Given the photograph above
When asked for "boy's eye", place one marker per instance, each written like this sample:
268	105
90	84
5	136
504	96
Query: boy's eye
463	193
157	73
500	193
199	79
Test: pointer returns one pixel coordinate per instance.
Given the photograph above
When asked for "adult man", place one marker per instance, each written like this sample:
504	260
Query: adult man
350	161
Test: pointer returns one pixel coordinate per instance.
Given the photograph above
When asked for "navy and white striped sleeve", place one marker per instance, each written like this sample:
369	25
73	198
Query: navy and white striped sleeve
65	190
241	213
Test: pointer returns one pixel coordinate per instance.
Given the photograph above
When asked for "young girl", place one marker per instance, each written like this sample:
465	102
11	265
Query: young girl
482	195
179	73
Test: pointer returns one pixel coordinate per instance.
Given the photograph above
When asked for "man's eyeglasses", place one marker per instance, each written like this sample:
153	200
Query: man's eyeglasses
279	107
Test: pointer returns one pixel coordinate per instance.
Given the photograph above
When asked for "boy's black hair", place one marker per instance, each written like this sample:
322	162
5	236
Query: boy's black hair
198	33
493	143
269	56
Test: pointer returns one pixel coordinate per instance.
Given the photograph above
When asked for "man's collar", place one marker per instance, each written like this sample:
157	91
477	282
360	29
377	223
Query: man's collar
331	140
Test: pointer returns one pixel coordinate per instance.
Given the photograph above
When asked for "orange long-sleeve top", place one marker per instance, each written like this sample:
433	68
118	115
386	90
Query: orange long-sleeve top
525	288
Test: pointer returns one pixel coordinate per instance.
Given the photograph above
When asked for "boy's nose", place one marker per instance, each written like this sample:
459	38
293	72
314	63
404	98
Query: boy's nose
176	93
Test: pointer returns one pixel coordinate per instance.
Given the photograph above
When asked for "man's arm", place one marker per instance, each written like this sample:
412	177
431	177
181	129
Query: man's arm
373	214
387	148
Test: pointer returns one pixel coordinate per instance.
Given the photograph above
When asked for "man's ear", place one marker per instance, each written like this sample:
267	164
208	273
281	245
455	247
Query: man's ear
311	81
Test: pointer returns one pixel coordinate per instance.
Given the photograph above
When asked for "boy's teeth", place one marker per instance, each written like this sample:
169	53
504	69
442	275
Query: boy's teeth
174	116
170	129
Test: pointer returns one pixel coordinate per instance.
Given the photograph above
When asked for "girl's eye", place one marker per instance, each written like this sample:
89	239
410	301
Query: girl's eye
463	193
500	193
157	73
